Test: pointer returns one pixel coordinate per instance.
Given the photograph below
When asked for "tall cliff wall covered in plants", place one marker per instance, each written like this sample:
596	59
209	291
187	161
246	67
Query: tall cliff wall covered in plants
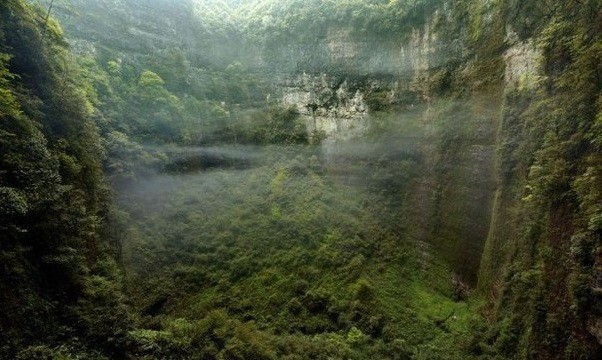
505	100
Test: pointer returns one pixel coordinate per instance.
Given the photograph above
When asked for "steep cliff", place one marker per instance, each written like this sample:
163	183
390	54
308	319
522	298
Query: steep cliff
59	281
507	101
432	81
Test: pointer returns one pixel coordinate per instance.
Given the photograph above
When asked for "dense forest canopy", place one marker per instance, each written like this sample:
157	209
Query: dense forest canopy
317	179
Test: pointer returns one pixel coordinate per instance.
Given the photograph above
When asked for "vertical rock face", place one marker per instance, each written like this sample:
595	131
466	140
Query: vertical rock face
504	99
327	105
522	72
340	45
542	241
421	51
521	61
448	205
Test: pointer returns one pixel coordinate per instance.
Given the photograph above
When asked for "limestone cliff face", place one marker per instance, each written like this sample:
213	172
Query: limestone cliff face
327	105
503	100
522	73
521	60
448	204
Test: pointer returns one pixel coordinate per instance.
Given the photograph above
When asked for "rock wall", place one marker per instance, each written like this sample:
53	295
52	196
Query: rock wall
447	207
327	105
504	98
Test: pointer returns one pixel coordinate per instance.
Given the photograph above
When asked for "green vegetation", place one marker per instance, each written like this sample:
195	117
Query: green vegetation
58	276
263	179
549	181
283	261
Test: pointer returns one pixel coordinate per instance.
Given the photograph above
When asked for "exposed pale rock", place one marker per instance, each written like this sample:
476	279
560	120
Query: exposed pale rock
522	67
327	106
